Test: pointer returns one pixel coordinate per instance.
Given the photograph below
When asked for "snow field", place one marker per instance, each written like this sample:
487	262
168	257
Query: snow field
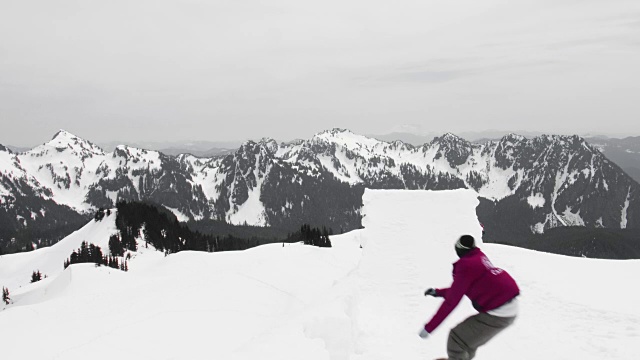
302	302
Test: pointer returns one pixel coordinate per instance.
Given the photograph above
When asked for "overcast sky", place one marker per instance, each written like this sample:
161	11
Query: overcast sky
173	70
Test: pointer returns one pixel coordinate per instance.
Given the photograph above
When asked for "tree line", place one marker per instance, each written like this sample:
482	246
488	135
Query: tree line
312	236
90	253
162	230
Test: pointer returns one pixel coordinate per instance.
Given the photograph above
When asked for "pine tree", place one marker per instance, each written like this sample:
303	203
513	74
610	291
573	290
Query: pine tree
87	253
5	295
325	242
115	246
99	215
36	276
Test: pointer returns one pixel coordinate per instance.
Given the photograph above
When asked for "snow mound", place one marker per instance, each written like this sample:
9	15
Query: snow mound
361	299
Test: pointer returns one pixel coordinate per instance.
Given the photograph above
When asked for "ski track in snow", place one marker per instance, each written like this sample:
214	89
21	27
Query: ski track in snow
361	299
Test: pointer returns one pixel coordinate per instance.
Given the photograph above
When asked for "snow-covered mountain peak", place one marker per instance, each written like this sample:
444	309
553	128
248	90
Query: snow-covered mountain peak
573	142
450	138
137	158
65	142
453	148
506	145
251	147
348	139
400	145
569	138
63	134
554	138
513	138
334	132
61	169
131	151
270	144
64	138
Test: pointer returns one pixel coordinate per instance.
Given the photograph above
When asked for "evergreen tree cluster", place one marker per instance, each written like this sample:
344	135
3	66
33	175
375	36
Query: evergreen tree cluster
90	253
101	213
114	262
163	231
234	243
87	253
36	276
221	229
312	236
135	219
117	246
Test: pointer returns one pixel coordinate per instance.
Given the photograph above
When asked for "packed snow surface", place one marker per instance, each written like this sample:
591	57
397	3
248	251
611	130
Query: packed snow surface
361	299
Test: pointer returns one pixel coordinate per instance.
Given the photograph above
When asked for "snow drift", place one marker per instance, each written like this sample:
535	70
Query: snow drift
361	299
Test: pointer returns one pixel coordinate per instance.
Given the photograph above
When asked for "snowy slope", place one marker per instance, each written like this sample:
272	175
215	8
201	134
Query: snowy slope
16	269
300	302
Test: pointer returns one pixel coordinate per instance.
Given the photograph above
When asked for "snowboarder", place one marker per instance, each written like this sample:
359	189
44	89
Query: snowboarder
492	292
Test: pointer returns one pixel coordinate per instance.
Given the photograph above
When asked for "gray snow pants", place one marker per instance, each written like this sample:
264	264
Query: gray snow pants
474	332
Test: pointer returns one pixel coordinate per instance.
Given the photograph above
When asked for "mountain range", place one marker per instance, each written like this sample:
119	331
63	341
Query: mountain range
625	152
525	185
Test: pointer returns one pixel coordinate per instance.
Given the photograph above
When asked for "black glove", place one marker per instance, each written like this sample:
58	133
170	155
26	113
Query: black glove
431	292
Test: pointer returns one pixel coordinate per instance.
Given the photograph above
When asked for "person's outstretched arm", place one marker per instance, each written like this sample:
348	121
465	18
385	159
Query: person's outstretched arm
461	281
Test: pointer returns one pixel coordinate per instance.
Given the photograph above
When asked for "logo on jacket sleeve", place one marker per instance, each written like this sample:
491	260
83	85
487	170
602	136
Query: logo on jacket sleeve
487	264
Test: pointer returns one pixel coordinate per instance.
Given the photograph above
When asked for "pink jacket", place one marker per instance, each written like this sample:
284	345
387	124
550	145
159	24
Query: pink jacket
487	286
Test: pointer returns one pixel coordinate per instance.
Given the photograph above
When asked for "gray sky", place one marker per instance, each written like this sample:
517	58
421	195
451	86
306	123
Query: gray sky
237	69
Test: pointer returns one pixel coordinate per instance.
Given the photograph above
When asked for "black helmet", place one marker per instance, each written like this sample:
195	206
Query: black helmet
465	244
